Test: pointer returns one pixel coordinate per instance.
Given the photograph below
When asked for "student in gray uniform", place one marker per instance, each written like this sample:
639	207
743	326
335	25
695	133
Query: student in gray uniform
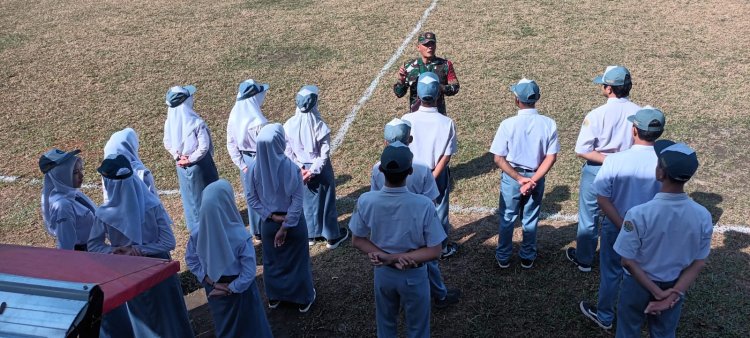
625	180
398	134
525	148
67	212
664	244
245	121
308	138
399	231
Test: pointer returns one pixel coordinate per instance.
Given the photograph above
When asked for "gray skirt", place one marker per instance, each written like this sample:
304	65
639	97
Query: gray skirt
239	314
193	180
287	273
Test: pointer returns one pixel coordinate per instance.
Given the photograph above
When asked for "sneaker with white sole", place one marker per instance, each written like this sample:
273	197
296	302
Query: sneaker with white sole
303	308
310	241
334	243
503	264
570	253
527	263
590	312
449	250
272	304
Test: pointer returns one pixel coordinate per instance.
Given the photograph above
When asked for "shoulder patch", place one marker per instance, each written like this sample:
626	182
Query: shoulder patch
628	226
586	122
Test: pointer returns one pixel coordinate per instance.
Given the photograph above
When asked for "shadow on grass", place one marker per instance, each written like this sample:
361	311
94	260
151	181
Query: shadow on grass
475	167
553	200
711	202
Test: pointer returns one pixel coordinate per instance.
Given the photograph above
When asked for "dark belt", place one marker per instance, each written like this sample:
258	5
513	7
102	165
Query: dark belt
279	213
247	152
593	164
522	170
80	247
392	266
227	279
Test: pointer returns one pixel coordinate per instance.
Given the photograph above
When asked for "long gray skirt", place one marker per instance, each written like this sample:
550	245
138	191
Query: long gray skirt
116	324
239	314
319	205
161	310
193	180
252	216
287	273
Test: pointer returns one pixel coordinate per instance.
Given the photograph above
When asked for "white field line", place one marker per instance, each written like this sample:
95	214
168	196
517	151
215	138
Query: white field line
8	179
374	84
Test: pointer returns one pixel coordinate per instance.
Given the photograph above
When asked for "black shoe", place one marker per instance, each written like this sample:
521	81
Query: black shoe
272	304
258	238
451	297
503	264
590	312
527	263
303	308
449	250
571	254
334	243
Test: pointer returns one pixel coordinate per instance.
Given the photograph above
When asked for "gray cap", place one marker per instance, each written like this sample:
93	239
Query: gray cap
678	160
614	76
177	95
397	130
527	91
428	87
648	119
55	157
395	159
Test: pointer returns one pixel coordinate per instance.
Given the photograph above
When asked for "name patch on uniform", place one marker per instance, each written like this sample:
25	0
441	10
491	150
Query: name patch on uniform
628	226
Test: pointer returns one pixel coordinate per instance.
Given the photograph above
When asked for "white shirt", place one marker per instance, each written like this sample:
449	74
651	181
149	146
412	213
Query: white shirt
396	220
525	139
606	129
420	182
434	136
247	144
628	178
665	235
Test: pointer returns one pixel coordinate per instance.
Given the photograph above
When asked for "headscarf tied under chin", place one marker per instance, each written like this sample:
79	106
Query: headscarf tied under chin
272	167
221	231
58	184
129	198
306	125
181	118
246	113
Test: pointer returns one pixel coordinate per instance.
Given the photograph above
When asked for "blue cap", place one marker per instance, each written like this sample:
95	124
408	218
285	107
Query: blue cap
307	98
648	119
54	157
527	91
614	76
178	94
249	88
395	159
397	130
678	160
115	167
428	87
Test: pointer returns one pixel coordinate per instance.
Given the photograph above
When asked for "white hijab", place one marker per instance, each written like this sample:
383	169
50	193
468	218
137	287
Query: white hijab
272	167
181	121
245	115
129	200
58	184
221	231
125	142
306	126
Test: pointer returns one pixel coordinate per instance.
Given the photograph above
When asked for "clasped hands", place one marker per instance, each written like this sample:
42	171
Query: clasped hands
400	261
527	185
220	289
183	161
664	301
307	175
127	251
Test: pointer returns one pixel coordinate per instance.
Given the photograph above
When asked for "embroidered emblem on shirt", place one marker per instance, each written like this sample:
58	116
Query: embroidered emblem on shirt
628	226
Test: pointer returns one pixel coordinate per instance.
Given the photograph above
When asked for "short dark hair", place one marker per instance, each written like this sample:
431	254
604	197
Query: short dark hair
667	176
649	136
622	91
397	178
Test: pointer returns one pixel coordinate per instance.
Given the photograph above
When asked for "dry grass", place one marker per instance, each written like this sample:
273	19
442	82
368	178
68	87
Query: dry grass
73	71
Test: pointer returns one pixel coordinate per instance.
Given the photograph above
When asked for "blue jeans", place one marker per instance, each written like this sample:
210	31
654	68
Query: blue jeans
437	286
252	216
443	201
633	301
407	289
511	204
610	267
588	210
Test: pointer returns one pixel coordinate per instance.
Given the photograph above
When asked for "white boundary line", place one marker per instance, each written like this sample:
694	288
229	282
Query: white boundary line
374	84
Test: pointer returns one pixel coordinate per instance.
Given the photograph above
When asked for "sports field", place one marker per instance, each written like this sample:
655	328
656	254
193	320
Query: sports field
74	71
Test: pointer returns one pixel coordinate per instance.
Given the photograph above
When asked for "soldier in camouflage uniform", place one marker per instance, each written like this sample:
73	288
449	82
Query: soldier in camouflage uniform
428	62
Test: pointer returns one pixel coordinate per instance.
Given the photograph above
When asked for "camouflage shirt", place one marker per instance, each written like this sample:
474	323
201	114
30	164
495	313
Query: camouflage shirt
444	70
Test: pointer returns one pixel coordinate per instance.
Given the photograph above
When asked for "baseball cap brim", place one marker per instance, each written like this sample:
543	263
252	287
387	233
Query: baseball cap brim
599	79
52	159
190	89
